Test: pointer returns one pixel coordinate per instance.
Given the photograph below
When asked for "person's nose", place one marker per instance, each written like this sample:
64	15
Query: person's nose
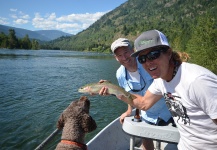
124	57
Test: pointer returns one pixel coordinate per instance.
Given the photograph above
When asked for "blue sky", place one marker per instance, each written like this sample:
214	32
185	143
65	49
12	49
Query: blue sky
70	16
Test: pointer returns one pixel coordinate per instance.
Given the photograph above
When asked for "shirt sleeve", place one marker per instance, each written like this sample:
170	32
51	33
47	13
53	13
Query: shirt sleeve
203	92
154	88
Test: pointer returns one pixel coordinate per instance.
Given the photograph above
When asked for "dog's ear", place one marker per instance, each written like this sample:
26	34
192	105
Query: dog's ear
60	122
88	123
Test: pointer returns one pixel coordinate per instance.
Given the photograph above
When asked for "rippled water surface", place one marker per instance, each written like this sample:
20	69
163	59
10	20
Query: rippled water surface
36	86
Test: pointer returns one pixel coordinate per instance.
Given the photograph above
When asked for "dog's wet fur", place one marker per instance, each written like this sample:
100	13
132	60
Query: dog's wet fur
75	122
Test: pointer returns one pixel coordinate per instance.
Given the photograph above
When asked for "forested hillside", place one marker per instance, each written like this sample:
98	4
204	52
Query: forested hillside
190	26
40	35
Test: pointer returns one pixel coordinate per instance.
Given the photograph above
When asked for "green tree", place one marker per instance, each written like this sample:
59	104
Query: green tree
26	43
12	39
3	40
176	18
35	45
203	44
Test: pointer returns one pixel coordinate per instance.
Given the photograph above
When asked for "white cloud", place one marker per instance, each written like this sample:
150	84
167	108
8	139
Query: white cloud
20	21
44	23
21	13
87	17
52	16
13	16
3	21
19	17
67	25
12	9
85	25
25	17
72	23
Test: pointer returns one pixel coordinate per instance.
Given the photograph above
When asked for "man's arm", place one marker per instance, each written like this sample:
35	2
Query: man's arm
142	102
126	114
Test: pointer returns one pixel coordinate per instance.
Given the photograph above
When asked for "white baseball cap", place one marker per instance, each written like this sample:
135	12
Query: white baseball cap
119	43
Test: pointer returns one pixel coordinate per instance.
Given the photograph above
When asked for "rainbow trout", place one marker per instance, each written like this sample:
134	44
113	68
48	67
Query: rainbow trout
113	89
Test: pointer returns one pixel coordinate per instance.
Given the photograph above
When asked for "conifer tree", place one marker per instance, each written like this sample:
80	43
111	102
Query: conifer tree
12	39
203	45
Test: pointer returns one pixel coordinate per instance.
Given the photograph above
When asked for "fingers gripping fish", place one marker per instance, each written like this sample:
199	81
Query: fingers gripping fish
113	89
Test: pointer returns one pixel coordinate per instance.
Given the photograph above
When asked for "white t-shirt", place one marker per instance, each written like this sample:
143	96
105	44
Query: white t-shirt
135	76
191	97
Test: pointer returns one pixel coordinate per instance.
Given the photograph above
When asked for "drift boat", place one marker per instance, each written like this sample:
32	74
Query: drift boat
128	136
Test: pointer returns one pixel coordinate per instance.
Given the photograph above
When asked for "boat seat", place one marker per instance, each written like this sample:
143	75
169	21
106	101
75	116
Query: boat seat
168	134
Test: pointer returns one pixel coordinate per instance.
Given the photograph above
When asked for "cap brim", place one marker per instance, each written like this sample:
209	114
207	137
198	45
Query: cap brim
135	54
121	45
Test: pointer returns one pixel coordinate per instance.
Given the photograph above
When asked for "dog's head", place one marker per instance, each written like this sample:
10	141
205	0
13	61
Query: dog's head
78	112
83	104
75	122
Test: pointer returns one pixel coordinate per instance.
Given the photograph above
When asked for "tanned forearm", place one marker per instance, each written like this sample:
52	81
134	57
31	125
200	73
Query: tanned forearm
142	102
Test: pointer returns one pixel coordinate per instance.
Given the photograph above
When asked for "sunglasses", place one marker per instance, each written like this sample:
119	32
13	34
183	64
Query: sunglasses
151	55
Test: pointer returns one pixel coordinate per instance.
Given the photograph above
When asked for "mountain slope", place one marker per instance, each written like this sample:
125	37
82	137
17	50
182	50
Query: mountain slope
190	26
52	34
176	18
42	35
20	33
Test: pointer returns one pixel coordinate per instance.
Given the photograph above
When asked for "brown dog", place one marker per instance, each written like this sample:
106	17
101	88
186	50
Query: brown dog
75	122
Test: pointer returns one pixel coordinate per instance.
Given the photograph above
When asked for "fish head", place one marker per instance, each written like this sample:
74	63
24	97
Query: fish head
84	89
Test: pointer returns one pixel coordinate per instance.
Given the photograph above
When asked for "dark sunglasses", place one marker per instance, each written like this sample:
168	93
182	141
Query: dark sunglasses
151	55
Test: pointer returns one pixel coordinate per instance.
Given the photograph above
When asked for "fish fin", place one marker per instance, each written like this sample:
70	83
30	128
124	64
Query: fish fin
128	96
107	81
132	96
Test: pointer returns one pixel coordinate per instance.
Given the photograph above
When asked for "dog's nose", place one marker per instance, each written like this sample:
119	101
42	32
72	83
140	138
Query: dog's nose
83	98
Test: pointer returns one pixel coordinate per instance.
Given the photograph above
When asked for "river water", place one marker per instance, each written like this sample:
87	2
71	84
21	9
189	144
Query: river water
36	86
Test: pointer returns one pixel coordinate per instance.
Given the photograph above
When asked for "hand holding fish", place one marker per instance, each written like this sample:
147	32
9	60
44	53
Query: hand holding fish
104	87
104	90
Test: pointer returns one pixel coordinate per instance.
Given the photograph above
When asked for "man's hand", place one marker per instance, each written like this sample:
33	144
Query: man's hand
104	90
123	116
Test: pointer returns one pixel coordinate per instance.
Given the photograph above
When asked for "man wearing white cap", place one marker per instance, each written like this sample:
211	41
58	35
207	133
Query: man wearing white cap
133	78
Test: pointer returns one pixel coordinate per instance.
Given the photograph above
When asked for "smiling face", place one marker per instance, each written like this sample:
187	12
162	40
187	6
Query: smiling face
160	66
122	55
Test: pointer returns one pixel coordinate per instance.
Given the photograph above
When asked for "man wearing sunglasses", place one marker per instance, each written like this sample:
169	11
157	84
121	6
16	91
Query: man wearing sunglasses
134	79
190	91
